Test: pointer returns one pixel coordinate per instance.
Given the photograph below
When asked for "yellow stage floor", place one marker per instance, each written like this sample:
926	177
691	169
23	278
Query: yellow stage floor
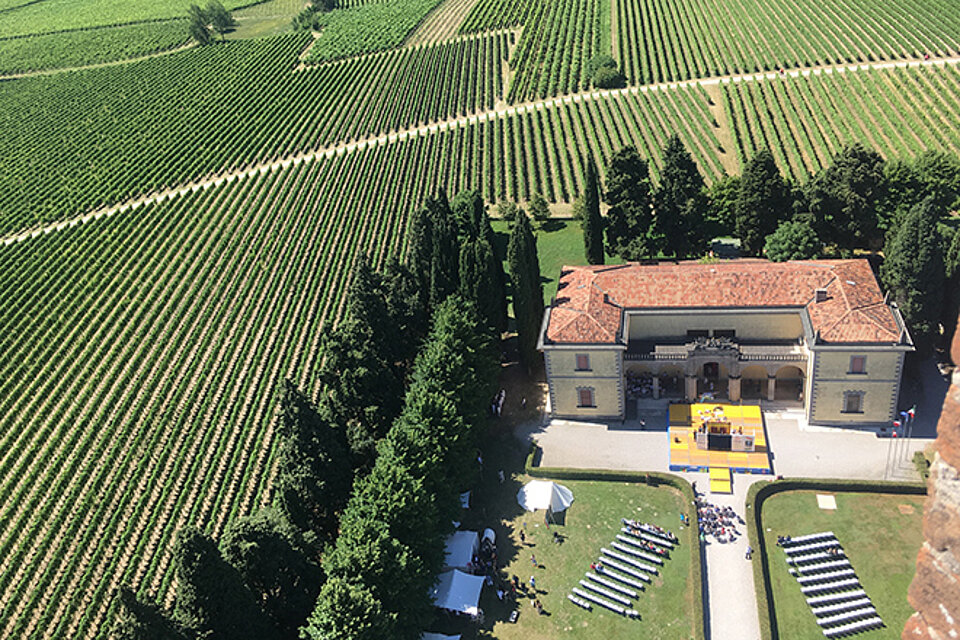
685	420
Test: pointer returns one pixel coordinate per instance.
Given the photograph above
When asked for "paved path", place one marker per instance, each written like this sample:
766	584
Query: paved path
452	123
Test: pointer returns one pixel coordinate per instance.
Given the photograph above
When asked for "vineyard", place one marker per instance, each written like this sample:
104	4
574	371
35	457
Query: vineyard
659	42
367	28
89	46
140	353
804	120
147	132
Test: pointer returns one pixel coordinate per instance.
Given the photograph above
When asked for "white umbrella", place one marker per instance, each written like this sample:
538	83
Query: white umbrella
544	494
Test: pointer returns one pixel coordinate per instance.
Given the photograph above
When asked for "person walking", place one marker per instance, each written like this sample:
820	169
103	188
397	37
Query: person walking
533	559
749	552
533	583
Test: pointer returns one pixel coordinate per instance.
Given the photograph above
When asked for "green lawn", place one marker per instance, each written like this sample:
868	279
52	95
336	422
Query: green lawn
666	607
880	540
559	243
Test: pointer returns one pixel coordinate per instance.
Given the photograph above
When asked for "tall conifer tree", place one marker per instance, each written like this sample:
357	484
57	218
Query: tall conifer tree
527	289
630	218
763	201
592	222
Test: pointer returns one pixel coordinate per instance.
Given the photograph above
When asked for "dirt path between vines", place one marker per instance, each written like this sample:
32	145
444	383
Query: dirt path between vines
451	123
443	23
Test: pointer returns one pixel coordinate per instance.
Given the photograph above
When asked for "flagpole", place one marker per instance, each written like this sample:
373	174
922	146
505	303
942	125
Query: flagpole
886	467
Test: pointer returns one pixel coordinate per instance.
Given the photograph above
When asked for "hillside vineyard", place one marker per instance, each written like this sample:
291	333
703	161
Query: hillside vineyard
237	183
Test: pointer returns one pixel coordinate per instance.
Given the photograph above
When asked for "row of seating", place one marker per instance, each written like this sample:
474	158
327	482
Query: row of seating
619	576
641	535
834	593
642	552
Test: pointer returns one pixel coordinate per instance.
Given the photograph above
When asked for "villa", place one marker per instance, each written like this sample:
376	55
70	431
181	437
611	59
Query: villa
819	334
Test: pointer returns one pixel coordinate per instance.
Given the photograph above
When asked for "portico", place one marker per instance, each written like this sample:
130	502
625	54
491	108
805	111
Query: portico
736	330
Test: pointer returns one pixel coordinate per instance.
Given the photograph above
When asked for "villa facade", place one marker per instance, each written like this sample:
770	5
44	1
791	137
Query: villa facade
816	333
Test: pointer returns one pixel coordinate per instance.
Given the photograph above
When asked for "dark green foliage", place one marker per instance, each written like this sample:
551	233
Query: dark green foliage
845	198
218	16
913	271
630	217
276	564
140	619
433	254
539	209
348	611
198	28
938	175
793	240
592	222
407	312
603	69
481	282
212	601
680	202
579	210
390	546
508	210
722	209
362	386
527	289
313	468
762	202
951	301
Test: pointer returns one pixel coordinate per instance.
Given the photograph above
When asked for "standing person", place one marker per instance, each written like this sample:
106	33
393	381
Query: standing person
749	552
533	559
533	583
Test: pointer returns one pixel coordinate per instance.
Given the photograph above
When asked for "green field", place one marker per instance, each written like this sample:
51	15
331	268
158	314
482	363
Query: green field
880	535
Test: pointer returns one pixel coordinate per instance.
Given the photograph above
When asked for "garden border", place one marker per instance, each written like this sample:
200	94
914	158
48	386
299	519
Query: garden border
757	495
653	478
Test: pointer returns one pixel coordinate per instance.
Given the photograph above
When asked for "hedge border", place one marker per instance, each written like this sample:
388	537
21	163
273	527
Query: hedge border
652	478
758	494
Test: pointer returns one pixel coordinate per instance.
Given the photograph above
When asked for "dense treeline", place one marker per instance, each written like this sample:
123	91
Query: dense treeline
858	203
369	475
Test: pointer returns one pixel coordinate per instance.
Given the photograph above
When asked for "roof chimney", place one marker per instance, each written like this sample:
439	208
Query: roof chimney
821	295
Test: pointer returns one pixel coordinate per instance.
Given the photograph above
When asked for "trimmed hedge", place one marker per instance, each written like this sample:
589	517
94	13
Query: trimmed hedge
762	490
652	478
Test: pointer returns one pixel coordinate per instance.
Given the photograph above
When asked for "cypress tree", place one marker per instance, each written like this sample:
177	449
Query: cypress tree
470	214
408	314
630	218
275	563
527	289
913	271
313	469
420	250
680	202
763	201
444	260
140	619
592	223
212	601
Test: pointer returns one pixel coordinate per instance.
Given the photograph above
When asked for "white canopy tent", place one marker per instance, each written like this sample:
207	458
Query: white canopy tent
544	494
438	636
457	591
460	549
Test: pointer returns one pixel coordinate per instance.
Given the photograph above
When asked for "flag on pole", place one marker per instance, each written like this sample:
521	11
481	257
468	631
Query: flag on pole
912	412
904	414
896	425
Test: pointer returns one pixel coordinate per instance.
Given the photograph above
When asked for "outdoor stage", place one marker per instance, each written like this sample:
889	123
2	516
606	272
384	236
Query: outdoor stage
686	419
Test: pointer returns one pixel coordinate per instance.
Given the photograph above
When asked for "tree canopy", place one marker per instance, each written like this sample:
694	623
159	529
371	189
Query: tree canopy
140	619
763	201
591	222
913	271
793	240
527	289
630	217
680	202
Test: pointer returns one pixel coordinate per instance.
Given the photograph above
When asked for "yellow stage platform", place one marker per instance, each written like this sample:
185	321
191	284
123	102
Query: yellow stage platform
684	421
720	481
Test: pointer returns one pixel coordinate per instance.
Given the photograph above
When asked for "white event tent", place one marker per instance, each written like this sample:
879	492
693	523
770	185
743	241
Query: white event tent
543	494
457	591
460	549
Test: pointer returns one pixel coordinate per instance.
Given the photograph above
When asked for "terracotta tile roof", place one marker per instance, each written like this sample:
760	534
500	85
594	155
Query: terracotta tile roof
590	299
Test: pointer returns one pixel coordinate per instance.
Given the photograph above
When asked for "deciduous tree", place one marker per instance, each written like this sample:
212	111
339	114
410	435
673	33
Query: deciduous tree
140	619
539	209
793	240
347	610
